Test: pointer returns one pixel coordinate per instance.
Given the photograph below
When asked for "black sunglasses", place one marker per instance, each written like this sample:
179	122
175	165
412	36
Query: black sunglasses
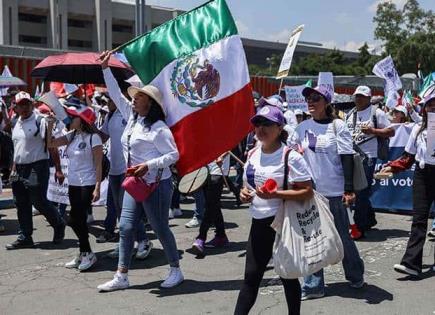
313	98
263	122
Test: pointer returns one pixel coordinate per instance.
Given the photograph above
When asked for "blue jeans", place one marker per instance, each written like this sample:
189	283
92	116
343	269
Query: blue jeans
352	263
364	214
199	204
33	191
156	208
115	195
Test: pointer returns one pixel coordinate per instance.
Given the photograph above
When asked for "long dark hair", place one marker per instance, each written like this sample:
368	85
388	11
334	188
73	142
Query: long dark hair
155	114
423	123
283	136
330	112
86	127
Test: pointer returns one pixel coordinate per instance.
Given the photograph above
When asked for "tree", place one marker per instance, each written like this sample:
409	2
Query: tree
408	35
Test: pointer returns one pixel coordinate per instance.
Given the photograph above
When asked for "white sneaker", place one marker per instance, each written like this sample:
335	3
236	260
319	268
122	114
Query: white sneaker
193	223
143	249
174	278
75	262
90	219
171	214
119	282
403	269
35	211
177	212
87	261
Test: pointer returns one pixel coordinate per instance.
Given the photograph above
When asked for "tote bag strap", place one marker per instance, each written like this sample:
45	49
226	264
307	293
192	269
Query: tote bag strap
287	151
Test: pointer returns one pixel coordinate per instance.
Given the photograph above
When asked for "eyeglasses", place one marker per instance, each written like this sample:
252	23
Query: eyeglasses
313	98
263	123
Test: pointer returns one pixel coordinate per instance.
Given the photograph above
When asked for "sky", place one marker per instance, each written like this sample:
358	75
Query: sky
342	24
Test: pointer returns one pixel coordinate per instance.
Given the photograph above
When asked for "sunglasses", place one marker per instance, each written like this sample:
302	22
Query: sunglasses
263	123
313	98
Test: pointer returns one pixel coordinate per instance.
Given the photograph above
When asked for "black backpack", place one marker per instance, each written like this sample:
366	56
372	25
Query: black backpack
6	150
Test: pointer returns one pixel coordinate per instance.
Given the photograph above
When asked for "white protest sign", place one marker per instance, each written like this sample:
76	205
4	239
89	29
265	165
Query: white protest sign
294	98
385	69
287	58
326	79
430	151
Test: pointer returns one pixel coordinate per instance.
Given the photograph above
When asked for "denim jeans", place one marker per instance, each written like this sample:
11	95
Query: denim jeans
353	265
156	208
115	195
364	214
199	204
30	190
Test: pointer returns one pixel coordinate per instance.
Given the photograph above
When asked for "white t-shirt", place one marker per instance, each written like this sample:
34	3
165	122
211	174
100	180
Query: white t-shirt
155	146
418	147
214	169
364	117
29	143
81	165
114	128
322	149
262	166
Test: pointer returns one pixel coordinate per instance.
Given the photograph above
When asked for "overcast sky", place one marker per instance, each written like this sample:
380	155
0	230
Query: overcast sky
334	23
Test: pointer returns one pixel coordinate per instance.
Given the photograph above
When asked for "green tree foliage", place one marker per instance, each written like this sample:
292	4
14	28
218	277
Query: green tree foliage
408	35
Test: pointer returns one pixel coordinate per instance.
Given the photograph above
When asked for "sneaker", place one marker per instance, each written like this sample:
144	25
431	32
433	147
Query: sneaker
171	214
2	228
431	233
218	241
143	250
312	296
59	233
357	285
35	211
90	219
75	263
174	278
433	267
193	223
119	282
114	253
177	212
87	261
198	247
106	237
403	269
21	243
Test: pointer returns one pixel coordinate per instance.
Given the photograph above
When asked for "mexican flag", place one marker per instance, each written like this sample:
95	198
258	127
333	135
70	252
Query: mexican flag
198	63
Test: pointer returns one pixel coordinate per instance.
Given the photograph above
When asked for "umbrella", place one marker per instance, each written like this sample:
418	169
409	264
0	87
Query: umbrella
79	68
11	81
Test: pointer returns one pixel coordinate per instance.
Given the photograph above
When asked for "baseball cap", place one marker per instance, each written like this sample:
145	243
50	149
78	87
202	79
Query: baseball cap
274	100
429	97
363	90
402	109
322	90
21	96
298	112
84	112
270	112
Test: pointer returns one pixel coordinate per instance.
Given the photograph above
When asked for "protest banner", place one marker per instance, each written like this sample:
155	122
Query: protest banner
294	98
287	58
326	79
386	70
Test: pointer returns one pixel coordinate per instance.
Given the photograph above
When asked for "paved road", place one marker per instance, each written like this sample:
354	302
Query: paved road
34	281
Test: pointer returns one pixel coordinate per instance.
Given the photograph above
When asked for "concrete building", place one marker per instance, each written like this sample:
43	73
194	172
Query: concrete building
96	25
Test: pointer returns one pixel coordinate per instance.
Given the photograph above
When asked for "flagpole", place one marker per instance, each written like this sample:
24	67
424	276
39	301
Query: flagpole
280	86
236	158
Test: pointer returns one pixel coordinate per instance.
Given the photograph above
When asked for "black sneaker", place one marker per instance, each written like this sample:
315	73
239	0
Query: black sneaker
106	237
21	243
431	233
59	233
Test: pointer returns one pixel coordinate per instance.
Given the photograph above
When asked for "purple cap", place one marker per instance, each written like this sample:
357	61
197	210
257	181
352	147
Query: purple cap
428	98
271	113
319	89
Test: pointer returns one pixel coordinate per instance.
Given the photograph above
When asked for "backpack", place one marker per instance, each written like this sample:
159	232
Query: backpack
383	143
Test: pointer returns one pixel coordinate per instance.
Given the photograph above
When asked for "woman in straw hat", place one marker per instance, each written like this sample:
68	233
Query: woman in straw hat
149	149
85	154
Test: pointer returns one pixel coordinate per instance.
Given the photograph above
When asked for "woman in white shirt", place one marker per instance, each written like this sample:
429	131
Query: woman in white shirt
328	151
266	161
85	153
149	149
416	150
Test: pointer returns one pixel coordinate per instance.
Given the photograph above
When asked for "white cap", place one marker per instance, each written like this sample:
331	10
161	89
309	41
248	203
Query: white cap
298	112
402	109
22	96
363	90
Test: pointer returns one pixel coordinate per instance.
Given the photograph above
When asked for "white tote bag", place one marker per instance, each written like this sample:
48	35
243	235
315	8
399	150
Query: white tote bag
307	239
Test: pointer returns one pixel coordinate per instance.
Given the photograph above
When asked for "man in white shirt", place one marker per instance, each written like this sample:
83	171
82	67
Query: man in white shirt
30	173
368	126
